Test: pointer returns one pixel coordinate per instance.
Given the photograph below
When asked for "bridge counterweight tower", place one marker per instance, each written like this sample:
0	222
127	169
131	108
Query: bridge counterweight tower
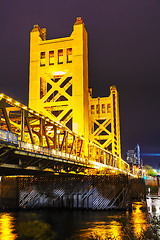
104	122
58	85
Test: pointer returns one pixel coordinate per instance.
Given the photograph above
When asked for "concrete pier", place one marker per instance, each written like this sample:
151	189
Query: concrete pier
76	191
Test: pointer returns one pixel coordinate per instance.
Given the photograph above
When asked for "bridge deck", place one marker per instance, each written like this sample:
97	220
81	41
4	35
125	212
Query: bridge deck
29	140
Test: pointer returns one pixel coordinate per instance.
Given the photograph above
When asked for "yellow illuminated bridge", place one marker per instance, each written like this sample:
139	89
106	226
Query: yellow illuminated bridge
64	129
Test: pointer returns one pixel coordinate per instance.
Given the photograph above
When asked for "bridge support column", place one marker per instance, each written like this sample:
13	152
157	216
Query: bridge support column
9	197
85	192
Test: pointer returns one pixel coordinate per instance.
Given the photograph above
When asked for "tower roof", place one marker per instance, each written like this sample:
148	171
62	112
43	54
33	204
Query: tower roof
79	21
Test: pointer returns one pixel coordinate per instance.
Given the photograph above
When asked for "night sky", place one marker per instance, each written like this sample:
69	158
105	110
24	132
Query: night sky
124	50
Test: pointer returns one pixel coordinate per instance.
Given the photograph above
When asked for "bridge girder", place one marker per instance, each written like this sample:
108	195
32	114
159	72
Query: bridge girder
38	143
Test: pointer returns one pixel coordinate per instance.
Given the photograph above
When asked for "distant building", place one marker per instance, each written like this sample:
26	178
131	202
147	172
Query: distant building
133	156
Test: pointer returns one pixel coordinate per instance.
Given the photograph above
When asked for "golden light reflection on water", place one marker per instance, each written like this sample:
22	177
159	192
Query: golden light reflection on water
115	226
115	230
139	220
104	231
7	227
97	231
119	226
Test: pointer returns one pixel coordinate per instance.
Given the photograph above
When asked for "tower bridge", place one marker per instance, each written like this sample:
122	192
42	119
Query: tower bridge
64	131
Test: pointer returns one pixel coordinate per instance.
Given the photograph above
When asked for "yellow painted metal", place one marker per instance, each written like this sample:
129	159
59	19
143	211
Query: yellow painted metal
38	134
58	89
34	128
58	84
104	123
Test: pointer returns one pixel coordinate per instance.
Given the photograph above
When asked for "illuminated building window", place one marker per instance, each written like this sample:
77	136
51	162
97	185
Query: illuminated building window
42	60
60	56
92	109
51	57
98	108
103	108
69	55
108	108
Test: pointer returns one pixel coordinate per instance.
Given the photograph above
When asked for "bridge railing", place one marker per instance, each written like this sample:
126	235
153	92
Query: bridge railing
9	137
106	159
102	156
48	151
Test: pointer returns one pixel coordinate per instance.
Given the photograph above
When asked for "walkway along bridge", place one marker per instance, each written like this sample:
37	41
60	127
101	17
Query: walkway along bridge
64	131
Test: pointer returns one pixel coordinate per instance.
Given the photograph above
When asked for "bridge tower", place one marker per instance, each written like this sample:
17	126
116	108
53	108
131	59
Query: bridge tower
58	81
58	88
104	123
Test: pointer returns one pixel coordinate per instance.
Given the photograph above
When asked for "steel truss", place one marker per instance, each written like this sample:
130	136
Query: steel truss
29	140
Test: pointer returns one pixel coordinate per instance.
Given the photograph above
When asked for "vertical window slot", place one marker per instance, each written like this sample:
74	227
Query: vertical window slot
98	108
42	60
108	108
60	56
92	109
69	55
103	108
51	57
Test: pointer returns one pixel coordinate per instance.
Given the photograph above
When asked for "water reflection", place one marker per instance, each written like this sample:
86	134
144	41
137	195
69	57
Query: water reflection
99	230
83	225
32	227
103	231
120	226
7	227
139	220
115	230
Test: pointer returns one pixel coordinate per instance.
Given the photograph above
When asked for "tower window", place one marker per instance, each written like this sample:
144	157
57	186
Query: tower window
60	56
51	57
108	108
92	109
103	108
98	108
42	60
69	55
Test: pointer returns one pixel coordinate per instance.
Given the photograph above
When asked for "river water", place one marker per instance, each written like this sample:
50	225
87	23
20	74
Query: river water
65	224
